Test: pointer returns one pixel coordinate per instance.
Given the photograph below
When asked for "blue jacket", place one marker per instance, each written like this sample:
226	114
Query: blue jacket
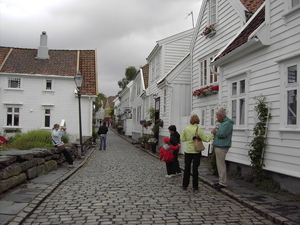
223	135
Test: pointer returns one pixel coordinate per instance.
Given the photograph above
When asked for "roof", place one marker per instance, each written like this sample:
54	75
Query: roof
61	63
145	70
243	36
252	5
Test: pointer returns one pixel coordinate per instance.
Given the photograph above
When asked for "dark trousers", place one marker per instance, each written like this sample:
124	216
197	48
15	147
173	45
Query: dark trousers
170	168
176	162
66	153
190	158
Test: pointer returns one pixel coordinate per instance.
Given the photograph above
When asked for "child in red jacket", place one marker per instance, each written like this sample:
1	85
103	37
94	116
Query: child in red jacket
166	154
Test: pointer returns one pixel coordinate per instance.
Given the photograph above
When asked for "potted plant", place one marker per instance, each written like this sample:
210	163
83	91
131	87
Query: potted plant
152	141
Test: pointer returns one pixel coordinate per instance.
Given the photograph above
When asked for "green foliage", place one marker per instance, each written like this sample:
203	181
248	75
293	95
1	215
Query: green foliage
129	75
32	139
269	185
98	100
145	138
258	144
151	112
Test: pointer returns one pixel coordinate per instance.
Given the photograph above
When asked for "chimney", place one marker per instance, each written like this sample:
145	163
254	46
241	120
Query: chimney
43	49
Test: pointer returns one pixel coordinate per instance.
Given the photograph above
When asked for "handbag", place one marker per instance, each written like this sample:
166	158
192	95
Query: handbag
198	144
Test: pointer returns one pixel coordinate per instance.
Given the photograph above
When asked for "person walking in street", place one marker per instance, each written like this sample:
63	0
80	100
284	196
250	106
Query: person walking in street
166	154
56	136
190	155
102	131
175	140
222	143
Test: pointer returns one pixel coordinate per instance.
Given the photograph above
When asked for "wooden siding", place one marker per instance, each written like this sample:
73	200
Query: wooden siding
228	24
282	154
175	51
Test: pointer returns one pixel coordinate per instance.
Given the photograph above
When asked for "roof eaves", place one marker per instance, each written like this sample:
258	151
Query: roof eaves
218	56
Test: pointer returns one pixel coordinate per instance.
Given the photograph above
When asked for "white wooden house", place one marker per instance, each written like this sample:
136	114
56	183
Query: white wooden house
37	89
169	79
124	111
263	59
217	23
140	102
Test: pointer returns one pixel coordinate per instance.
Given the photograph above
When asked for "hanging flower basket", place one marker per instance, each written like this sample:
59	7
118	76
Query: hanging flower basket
206	91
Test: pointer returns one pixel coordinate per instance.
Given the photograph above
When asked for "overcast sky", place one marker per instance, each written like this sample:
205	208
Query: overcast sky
124	32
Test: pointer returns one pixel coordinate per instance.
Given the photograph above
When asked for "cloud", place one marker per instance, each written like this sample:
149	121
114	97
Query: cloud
123	32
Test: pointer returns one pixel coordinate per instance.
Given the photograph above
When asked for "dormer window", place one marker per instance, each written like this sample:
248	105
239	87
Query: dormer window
295	3
212	11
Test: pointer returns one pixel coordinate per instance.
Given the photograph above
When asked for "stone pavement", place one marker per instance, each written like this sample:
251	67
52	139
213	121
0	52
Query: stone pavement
117	187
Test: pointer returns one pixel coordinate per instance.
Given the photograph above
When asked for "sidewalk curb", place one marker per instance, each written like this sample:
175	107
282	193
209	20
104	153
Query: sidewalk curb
39	199
273	217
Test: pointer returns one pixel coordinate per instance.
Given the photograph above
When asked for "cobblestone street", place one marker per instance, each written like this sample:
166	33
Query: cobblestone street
124	185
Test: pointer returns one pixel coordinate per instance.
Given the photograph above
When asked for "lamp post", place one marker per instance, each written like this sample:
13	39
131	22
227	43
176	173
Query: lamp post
78	81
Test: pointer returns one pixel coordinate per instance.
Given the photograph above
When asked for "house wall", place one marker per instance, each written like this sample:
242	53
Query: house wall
266	76
33	98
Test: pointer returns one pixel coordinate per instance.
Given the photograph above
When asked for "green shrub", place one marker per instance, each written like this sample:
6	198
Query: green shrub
32	139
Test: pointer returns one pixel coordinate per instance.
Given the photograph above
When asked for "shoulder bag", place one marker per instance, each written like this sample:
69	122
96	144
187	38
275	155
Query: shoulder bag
198	144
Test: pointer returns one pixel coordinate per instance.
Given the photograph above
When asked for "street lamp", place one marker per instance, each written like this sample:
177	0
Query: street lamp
78	81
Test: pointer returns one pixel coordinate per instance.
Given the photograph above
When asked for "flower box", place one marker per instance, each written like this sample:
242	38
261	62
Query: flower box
206	91
209	31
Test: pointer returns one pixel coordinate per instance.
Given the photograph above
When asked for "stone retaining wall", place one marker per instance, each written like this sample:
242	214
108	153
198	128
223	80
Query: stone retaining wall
18	166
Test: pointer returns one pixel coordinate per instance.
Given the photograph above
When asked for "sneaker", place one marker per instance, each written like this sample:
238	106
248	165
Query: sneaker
169	176
73	165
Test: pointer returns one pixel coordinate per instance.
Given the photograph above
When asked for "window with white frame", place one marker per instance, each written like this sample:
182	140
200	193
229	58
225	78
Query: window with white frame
13	116
295	3
134	115
14	82
152	65
157	66
291	90
48	84
202	122
47	117
207	77
212	12
238	101
138	87
165	100
138	113
212	117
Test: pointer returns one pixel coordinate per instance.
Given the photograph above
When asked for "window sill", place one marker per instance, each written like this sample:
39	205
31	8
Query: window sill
13	89
285	130
240	129
290	13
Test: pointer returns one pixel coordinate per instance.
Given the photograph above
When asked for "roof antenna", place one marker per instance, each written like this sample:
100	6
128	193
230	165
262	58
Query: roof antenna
191	13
